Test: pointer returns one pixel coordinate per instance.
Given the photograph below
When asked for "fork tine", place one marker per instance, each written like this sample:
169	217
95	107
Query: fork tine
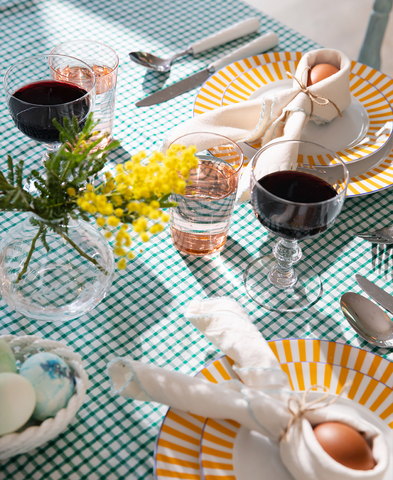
382	242
375	239
366	236
381	236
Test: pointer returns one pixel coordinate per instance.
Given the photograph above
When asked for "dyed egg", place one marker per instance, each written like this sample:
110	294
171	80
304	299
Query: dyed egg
7	359
345	445
17	400
320	72
52	380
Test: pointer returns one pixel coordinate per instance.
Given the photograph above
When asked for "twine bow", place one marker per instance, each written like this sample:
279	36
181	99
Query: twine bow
312	96
304	407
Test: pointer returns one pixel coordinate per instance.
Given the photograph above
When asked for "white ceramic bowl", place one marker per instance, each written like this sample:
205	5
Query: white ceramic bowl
34	436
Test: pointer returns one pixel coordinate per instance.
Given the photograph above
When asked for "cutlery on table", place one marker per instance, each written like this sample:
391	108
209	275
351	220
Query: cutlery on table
376	293
261	44
382	236
367	319
224	36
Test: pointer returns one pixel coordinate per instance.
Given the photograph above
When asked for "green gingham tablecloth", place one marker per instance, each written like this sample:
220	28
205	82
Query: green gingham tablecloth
143	315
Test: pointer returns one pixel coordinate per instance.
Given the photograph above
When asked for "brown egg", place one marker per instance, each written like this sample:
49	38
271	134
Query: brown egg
345	445
320	72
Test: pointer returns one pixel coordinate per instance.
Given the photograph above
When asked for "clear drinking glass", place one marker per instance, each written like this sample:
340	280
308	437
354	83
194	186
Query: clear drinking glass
200	222
295	205
35	98
104	61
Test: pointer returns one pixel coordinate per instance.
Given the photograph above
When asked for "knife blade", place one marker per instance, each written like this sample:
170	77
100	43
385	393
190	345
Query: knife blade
259	45
376	293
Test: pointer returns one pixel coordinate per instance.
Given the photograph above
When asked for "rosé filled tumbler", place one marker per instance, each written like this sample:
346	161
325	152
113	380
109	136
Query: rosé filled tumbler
104	62
201	220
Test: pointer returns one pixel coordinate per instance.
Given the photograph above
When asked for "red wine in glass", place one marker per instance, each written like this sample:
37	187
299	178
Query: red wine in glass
29	108
36	96
304	214
294	204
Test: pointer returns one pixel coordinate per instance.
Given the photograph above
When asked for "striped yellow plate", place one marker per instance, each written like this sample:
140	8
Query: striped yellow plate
371	89
306	362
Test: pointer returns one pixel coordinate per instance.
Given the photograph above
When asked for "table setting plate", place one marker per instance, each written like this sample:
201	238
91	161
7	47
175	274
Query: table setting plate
366	140
193	447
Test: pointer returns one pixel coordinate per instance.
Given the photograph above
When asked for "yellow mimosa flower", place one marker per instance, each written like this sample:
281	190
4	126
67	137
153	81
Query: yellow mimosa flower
121	264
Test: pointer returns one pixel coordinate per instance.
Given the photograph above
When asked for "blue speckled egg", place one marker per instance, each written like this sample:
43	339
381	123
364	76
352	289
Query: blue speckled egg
7	359
52	380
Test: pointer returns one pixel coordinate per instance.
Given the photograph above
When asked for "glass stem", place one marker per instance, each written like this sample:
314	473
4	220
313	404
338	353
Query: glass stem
287	253
50	148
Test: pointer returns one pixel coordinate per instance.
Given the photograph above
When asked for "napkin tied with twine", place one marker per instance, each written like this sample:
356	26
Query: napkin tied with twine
260	400
278	115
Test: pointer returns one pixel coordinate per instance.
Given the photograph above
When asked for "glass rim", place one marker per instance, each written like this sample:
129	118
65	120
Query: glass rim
289	202
43	55
96	43
241	163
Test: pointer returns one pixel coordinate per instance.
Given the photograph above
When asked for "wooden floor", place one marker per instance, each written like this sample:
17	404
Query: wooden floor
339	24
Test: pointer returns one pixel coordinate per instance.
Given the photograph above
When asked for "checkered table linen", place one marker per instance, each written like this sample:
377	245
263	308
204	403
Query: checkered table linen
143	315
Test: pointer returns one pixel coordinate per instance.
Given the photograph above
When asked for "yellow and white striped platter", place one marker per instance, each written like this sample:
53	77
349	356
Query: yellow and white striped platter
307	362
373	89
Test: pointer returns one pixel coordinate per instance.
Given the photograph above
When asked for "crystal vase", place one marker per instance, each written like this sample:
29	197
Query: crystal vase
54	270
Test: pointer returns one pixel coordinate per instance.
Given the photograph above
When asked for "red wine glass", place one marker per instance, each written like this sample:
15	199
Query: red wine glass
36	96
294	205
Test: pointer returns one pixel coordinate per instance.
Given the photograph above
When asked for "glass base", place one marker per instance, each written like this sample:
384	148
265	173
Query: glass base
303	294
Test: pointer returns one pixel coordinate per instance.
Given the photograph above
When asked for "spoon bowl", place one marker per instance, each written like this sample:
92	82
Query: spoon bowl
367	319
162	65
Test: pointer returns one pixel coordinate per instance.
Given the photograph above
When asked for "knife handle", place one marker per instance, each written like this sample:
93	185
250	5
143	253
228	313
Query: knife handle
261	44
231	33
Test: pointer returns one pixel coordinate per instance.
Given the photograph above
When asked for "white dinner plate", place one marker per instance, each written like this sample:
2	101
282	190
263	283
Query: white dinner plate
180	449
366	139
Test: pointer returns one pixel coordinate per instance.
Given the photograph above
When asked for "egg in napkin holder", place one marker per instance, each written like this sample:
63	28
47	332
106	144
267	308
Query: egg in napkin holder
260	400
281	115
30	437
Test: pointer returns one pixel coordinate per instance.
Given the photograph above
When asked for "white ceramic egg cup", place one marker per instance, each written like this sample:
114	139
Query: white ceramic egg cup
35	436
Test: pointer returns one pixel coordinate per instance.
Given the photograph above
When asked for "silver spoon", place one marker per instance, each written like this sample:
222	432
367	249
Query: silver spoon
367	319
224	36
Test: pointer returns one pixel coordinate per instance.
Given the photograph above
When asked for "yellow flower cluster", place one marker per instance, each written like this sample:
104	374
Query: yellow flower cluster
133	195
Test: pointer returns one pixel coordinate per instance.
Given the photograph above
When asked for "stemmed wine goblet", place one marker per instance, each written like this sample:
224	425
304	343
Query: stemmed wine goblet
35	96
294	205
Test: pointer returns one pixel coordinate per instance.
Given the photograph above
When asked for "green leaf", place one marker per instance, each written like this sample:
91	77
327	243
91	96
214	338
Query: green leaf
73	164
10	165
19	173
168	204
4	185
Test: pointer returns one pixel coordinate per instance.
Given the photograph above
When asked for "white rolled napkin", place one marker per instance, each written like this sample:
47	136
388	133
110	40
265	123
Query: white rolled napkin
279	115
259	401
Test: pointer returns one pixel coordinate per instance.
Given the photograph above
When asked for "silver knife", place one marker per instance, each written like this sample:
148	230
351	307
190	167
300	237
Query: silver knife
376	293
259	45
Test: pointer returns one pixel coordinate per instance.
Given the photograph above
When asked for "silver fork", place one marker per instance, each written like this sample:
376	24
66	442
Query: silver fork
382	236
